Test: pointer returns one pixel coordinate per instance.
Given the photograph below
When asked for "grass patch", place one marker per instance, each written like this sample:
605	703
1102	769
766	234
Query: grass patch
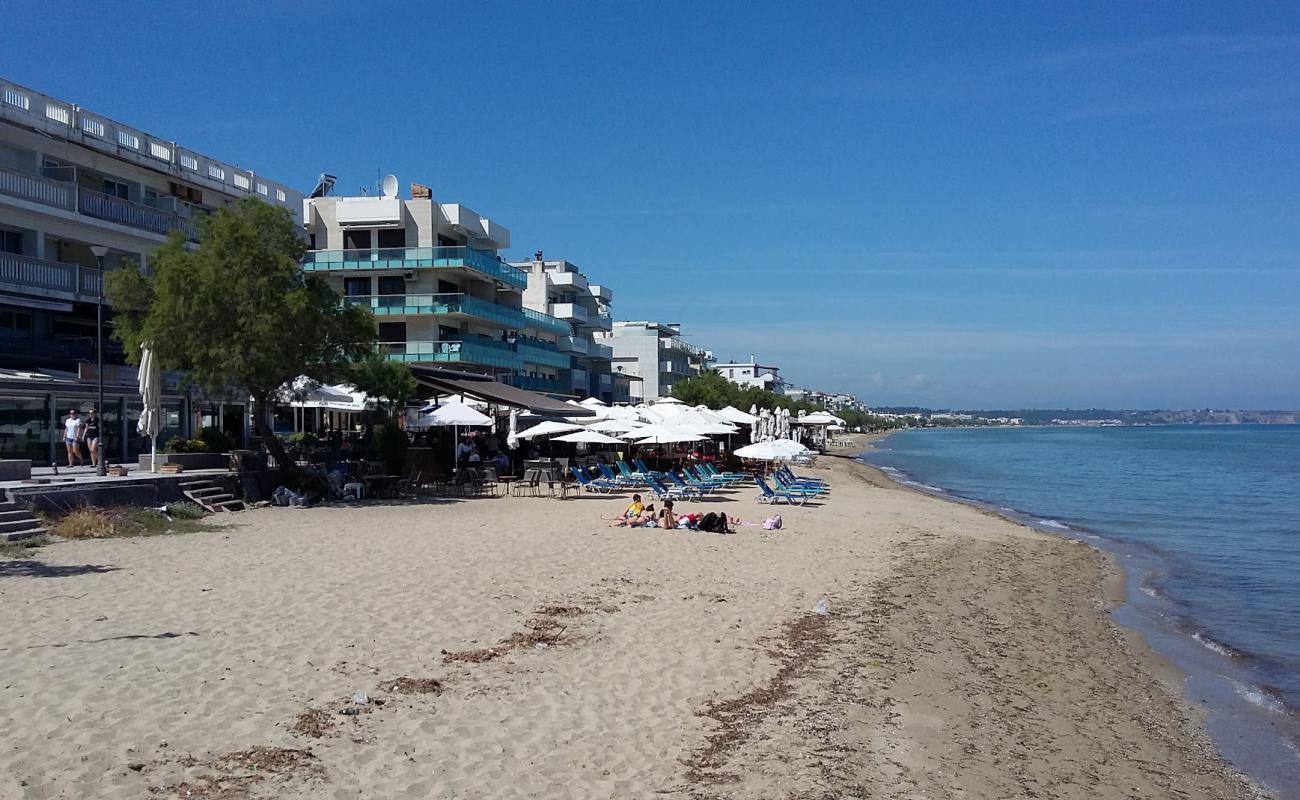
89	522
185	510
23	548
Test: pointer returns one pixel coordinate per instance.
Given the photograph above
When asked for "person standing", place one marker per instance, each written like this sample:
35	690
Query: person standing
90	433
72	436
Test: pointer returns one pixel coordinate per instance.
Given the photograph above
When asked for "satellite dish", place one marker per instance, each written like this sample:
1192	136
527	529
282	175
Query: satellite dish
390	186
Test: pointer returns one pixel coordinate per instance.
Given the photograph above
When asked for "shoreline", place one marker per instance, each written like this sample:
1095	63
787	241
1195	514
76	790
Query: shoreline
1114	589
520	647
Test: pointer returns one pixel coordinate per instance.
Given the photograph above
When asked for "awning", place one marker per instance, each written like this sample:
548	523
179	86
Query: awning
481	387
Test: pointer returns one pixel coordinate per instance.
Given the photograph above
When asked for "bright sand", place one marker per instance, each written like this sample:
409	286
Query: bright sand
964	656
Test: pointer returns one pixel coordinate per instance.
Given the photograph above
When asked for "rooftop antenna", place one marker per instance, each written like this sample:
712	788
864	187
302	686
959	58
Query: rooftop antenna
390	186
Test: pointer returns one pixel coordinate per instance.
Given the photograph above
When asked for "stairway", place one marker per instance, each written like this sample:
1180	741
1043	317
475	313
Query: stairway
17	524
211	496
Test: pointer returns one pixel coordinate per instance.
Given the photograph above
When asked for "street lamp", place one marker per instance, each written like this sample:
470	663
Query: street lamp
100	251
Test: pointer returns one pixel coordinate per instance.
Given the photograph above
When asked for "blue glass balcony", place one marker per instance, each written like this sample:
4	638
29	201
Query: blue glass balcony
468	305
550	357
482	352
480	261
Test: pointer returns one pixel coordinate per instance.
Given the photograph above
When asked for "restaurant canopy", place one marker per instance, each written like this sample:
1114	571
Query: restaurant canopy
481	387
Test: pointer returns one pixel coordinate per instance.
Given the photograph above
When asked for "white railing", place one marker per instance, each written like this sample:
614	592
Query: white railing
27	272
36	189
135	215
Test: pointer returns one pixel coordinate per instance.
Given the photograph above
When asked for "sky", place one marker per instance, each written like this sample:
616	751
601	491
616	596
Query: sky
956	205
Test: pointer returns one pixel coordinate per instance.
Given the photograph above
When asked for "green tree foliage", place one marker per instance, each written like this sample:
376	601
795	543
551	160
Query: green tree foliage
711	389
391	382
238	312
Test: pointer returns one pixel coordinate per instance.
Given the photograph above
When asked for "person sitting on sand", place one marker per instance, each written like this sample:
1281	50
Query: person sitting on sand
646	518
635	509
667	519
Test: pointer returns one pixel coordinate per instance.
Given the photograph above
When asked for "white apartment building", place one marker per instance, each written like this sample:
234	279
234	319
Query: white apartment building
752	374
430	273
558	288
655	355
77	186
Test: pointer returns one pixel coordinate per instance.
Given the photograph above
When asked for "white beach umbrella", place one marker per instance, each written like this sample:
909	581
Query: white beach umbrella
775	450
670	437
593	402
548	428
587	437
612	426
622	413
736	416
150	423
456	414
668	401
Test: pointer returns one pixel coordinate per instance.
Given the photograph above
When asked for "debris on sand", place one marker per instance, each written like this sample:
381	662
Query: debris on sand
405	685
540	630
314	723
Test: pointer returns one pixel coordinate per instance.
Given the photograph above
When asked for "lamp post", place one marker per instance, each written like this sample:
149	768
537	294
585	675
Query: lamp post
100	251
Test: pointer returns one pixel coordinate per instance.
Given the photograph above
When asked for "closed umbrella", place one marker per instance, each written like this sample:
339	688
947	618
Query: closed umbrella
150	423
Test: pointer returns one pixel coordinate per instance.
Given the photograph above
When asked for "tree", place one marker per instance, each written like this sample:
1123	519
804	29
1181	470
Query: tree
238	313
390	382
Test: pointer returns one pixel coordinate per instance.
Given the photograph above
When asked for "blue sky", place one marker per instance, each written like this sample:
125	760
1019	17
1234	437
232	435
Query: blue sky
965	205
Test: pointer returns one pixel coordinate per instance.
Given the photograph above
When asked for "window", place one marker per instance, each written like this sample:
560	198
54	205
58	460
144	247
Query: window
279	195
15	324
392	331
356	240
11	242
356	287
114	188
392	284
392	238
446	333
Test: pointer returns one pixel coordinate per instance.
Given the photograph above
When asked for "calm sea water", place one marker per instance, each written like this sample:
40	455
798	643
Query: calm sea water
1206	521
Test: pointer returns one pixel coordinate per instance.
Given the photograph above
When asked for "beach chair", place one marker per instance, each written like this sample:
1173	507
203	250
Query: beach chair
597	485
662	492
702	488
810	491
768	495
614	477
641	465
697	476
629	474
712	469
724	480
789	476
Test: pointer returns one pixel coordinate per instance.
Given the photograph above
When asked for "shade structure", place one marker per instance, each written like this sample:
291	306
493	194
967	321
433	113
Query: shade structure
548	428
455	414
612	426
818	418
697	422
671	437
736	416
481	387
668	401
622	413
150	423
587	437
593	402
775	450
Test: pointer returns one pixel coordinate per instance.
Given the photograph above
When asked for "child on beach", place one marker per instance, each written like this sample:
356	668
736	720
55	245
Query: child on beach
635	515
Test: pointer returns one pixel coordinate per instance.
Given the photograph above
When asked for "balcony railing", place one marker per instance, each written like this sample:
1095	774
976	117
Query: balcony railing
532	384
482	352
569	311
532	354
481	261
31	275
56	194
135	215
505	316
601	351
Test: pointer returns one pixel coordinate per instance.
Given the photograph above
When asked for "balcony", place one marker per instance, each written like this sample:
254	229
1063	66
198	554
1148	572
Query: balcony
602	352
134	215
580	379
457	304
38	277
573	344
569	311
602	293
480	352
532	354
482	262
544	385
567	280
602	322
38	189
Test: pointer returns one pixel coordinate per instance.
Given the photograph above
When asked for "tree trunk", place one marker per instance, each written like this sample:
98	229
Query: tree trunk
269	440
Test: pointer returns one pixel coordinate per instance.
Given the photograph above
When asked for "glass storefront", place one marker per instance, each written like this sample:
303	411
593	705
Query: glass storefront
25	428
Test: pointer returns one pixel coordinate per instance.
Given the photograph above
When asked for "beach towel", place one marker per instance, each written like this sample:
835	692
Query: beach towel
772	523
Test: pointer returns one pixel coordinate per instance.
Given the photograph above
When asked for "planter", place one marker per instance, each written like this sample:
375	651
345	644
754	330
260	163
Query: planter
190	461
15	469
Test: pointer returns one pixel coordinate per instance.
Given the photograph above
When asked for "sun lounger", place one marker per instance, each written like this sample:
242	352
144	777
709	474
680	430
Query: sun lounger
810	491
597	485
702	488
613	477
662	492
768	495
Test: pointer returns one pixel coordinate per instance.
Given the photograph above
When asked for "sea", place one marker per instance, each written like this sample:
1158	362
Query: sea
1205	521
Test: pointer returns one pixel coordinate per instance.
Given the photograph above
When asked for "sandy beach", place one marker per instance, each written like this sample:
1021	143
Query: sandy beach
518	647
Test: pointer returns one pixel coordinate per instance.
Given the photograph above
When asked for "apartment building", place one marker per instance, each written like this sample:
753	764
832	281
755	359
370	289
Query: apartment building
80	190
655	355
560	289
752	374
431	274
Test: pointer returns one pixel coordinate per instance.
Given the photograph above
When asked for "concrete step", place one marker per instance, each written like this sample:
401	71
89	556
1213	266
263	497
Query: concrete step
18	536
14	513
8	505
196	484
230	505
206	491
17	525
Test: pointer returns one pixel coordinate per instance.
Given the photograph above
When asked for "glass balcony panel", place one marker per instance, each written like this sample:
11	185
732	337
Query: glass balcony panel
481	261
505	316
